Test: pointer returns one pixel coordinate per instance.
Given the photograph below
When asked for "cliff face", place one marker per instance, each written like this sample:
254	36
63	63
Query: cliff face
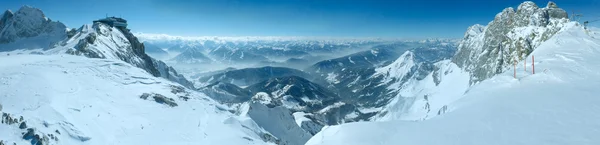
488	50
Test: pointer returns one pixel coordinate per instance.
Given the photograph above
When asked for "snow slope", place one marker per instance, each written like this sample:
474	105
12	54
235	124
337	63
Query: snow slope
557	105
425	98
98	101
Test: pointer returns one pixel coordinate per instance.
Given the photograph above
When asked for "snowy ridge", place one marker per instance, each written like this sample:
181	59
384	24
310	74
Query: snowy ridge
192	56
429	97
416	98
557	105
398	69
103	41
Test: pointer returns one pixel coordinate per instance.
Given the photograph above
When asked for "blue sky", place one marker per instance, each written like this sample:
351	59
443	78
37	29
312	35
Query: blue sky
349	18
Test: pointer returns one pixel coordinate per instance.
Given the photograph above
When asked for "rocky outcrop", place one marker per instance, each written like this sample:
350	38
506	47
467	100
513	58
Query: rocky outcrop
160	99
488	50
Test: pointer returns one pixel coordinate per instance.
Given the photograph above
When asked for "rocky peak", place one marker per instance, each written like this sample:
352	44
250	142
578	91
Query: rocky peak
528	6
551	4
474	30
28	22
31	11
512	35
5	17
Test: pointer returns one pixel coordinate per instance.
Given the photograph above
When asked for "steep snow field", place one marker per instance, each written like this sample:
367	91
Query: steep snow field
556	105
97	101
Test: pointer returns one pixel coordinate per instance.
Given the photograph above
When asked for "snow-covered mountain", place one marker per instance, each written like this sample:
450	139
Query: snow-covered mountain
82	91
100	40
226	93
29	28
192	56
230	55
98	85
556	105
489	50
370	79
250	76
294	93
155	51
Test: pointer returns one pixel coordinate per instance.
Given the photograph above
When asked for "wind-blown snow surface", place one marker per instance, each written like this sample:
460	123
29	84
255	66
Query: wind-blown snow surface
557	105
97	101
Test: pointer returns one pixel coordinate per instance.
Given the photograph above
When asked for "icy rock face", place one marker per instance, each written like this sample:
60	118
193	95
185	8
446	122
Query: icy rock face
311	126
30	22
511	36
102	41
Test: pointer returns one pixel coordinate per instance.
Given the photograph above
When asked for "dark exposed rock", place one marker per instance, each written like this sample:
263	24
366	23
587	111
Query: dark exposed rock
311	126
158	98
23	125
143	96
29	134
164	100
71	32
177	89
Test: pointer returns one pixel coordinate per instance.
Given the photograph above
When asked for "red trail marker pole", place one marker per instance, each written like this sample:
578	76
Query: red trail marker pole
532	64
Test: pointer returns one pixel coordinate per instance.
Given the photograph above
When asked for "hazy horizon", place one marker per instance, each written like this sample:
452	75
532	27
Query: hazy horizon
308	18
